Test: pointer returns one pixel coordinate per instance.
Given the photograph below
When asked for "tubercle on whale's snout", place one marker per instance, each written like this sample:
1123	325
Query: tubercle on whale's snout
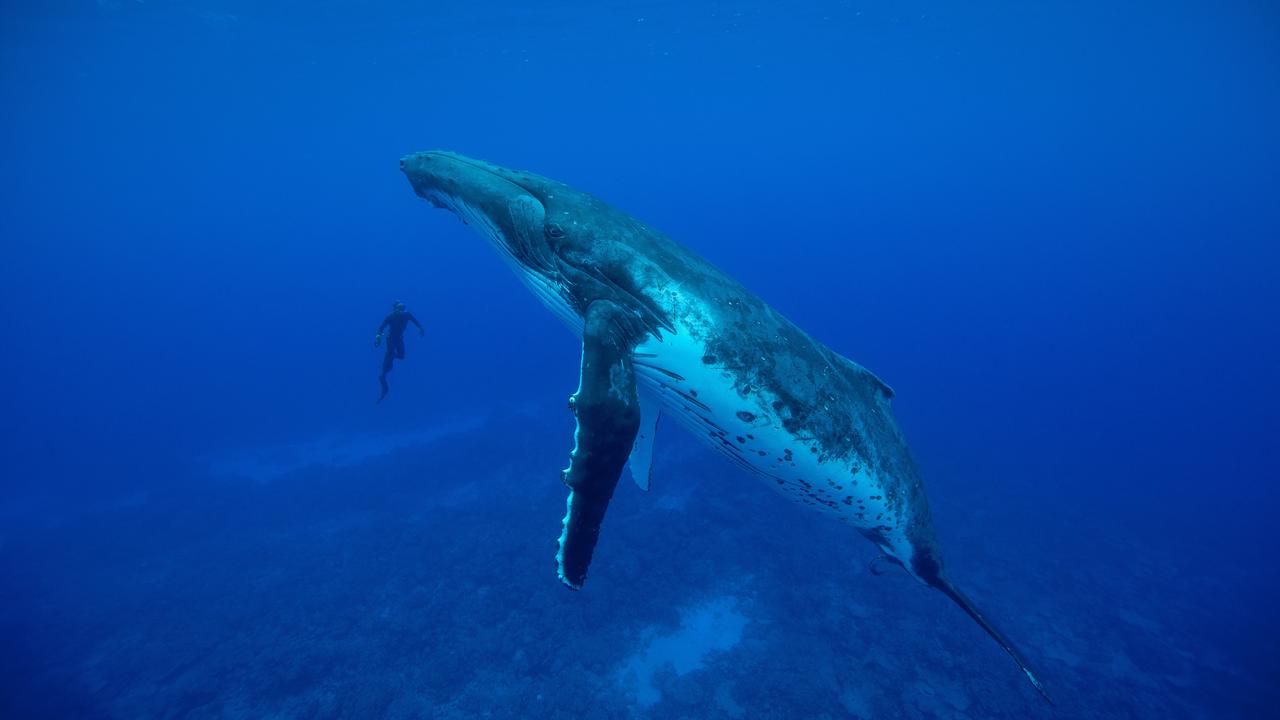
405	160
414	162
411	166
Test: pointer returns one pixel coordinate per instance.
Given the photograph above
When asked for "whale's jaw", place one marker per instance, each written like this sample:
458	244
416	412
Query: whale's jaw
493	202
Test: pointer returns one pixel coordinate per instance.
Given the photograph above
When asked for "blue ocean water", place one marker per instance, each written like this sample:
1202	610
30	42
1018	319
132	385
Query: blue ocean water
1053	228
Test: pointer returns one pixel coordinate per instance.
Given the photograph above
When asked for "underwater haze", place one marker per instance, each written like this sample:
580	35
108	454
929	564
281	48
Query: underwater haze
1053	228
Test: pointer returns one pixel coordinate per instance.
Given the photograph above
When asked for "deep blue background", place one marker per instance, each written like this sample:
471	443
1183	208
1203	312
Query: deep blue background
1053	230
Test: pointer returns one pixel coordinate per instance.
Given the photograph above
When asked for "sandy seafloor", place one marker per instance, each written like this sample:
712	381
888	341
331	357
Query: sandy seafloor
413	577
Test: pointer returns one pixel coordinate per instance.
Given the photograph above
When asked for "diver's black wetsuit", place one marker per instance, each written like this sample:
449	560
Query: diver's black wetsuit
395	324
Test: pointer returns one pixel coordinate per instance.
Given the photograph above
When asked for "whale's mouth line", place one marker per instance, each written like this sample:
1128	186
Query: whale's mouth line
514	247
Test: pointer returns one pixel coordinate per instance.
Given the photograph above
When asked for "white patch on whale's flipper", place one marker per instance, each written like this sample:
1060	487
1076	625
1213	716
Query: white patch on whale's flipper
641	460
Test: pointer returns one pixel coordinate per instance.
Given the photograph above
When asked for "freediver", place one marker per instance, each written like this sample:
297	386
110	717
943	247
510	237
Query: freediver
394	324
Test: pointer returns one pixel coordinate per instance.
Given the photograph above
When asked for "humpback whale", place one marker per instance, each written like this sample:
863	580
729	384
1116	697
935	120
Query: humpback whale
664	333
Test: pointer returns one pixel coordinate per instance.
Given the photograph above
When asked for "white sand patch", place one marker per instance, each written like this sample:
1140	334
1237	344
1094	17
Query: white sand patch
856	702
706	628
269	463
673	502
726	704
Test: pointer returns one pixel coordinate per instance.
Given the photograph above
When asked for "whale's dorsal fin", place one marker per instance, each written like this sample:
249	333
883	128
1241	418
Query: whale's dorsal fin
875	380
641	460
884	386
607	408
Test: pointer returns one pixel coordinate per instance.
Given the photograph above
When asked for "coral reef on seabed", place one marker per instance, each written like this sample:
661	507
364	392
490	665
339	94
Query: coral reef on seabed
420	583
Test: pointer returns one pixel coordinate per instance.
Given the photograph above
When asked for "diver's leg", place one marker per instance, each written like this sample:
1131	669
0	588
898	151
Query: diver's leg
399	348
387	358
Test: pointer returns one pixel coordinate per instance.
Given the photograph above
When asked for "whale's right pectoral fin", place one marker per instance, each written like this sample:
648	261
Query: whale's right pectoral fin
641	460
608	412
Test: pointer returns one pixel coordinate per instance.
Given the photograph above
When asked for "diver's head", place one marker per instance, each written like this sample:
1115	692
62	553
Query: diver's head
397	306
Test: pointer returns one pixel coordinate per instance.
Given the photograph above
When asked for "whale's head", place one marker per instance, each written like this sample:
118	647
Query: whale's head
507	207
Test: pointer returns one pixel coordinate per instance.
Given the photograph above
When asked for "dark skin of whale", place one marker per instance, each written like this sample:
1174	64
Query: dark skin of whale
624	284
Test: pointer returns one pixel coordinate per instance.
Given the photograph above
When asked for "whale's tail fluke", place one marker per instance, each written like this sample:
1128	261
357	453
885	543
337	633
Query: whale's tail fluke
963	601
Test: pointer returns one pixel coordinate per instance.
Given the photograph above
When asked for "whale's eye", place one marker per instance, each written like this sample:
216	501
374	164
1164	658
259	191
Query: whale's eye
554	231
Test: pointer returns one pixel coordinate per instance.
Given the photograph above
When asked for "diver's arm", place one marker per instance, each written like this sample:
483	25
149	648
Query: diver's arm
377	339
414	320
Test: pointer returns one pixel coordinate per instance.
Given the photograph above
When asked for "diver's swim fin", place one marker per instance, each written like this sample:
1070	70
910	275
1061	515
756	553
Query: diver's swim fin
382	379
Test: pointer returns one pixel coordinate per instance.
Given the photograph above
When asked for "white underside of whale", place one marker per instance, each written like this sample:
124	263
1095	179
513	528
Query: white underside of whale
749	433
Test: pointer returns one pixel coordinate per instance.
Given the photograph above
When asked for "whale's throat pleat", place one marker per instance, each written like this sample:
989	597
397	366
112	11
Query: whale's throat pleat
549	293
702	397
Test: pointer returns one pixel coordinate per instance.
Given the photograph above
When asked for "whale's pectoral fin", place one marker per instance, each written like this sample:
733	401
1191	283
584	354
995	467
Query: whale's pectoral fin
641	460
608	413
875	563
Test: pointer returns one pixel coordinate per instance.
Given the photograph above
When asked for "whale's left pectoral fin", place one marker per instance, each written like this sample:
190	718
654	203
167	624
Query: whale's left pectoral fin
608	412
641	460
